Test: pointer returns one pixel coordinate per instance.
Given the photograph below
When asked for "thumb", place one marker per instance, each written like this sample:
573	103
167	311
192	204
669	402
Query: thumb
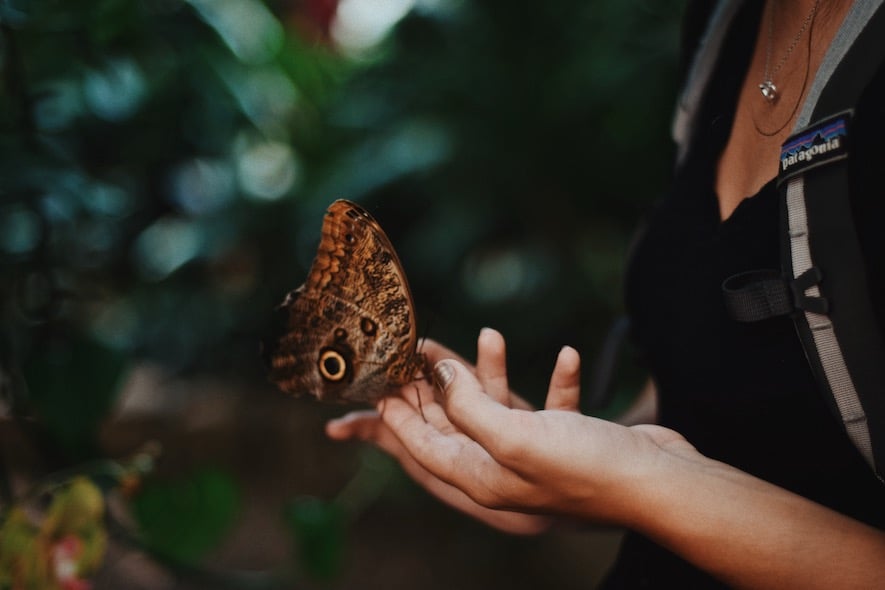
453	379
444	375
469	407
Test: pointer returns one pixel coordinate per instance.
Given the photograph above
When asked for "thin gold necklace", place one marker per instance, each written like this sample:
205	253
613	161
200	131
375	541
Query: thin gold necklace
767	88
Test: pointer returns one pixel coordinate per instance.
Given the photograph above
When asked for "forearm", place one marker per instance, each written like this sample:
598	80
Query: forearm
753	534
649	478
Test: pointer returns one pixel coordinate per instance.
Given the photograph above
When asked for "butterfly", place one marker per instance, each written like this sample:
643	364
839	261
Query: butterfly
349	332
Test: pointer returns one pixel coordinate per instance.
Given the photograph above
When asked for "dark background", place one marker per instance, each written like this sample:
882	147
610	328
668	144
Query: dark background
164	168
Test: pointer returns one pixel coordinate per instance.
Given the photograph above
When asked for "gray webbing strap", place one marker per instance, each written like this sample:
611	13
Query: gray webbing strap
832	361
858	15
825	339
826	342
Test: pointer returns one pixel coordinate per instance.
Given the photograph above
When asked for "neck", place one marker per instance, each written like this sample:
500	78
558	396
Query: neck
750	158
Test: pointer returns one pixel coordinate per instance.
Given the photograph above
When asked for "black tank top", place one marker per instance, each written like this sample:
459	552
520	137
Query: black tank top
741	393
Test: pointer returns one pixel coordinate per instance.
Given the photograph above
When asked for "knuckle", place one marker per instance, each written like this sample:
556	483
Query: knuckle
459	401
511	445
487	497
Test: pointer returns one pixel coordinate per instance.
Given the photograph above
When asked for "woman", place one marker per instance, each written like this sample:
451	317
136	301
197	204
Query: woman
746	480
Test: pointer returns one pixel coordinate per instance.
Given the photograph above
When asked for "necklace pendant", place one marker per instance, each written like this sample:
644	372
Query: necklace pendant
768	90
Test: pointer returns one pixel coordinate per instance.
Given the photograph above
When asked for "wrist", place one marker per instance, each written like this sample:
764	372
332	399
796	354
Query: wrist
638	479
657	488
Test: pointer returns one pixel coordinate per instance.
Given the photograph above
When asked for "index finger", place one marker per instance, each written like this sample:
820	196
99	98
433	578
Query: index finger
491	365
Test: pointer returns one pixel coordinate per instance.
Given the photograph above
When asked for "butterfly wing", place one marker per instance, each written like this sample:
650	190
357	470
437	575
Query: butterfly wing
350	331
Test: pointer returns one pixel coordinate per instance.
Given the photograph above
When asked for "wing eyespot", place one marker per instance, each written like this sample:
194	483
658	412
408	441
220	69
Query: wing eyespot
368	327
332	365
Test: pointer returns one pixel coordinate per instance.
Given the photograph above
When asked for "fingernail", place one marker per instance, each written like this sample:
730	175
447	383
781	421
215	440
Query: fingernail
444	374
483	332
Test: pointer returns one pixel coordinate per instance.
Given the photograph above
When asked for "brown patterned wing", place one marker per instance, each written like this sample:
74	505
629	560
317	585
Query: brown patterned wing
350	333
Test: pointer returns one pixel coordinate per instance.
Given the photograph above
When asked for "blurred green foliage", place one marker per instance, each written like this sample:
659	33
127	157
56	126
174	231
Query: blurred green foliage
319	528
64	550
164	166
183	518
72	385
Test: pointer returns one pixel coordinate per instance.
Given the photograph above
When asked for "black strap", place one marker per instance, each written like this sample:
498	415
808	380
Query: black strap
761	294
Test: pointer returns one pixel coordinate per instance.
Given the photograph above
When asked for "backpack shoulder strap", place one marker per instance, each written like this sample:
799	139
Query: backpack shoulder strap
840	335
823	280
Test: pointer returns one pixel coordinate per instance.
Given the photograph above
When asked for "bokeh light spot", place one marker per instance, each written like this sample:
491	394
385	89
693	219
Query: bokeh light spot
268	170
359	25
20	230
247	27
203	185
115	92
166	246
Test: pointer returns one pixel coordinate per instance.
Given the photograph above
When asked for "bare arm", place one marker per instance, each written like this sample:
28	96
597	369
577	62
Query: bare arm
753	534
507	465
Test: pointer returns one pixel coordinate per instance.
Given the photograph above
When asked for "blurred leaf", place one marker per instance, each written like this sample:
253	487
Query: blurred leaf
72	383
77	505
75	527
18	546
318	527
181	519
64	549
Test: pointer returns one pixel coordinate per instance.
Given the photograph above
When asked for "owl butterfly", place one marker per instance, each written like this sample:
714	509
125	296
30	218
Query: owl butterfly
349	331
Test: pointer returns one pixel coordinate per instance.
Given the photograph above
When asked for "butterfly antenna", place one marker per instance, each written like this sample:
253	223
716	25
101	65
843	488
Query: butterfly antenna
424	335
420	404
424	366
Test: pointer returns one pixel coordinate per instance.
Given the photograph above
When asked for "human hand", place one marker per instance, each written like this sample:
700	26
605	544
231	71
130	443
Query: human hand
477	448
490	370
482	452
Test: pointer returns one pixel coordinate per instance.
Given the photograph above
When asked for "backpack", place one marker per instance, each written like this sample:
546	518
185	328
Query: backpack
823	281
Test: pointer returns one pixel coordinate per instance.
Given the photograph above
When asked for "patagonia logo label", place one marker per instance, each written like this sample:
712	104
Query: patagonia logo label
821	143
